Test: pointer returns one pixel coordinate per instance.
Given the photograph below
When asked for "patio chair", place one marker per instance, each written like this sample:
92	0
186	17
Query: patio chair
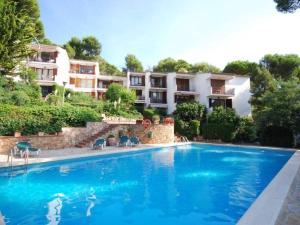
134	140
23	146
99	143
123	141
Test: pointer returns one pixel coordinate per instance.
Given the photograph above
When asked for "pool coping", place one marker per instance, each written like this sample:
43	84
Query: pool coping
95	153
268	205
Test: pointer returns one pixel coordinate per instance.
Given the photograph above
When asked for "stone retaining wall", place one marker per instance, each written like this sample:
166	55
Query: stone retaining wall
154	134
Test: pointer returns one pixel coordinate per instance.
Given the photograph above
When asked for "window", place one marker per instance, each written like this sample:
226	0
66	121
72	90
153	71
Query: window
183	84
157	97
184	98
136	81
226	103
158	82
86	83
87	69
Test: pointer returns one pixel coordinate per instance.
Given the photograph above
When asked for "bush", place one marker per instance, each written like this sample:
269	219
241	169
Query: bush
221	124
117	91
48	119
246	131
149	113
156	118
189	111
194	128
225	132
277	136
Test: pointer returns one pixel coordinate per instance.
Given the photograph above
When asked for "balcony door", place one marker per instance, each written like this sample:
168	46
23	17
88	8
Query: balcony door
218	86
183	84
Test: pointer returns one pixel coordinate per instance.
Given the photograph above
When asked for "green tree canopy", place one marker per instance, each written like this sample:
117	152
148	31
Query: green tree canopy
89	48
118	92
238	67
108	69
204	68
16	33
182	66
281	108
165	66
31	9
282	66
133	64
287	6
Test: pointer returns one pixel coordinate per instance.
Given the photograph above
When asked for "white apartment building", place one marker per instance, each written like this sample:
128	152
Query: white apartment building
54	67
161	90
157	90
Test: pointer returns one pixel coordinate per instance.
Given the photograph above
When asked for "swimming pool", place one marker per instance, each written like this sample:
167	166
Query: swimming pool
186	185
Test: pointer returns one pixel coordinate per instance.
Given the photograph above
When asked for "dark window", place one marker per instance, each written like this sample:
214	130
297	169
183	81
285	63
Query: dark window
226	103
46	90
183	84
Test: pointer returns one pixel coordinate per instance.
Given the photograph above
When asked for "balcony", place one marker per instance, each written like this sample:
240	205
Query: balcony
157	101
90	72
222	92
44	77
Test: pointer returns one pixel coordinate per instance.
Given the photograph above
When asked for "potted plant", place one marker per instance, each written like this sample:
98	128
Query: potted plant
111	140
156	119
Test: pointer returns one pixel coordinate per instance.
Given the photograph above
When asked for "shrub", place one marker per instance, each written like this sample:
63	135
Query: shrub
117	91
194	128
221	124
149	113
156	118
277	136
48	119
181	127
246	131
189	111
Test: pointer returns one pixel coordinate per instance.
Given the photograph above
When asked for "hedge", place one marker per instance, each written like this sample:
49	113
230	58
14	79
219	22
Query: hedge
48	119
225	131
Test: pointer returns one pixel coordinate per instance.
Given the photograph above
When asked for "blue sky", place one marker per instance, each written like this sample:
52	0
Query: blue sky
215	31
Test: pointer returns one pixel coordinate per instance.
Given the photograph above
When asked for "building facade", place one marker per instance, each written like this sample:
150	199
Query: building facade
53	66
165	91
157	90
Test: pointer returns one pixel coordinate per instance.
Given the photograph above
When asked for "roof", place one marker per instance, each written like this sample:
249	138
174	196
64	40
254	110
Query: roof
44	48
82	62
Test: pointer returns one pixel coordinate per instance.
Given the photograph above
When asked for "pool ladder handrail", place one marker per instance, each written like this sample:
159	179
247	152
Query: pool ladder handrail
184	139
10	157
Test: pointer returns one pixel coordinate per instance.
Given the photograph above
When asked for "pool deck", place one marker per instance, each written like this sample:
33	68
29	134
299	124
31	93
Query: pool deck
278	204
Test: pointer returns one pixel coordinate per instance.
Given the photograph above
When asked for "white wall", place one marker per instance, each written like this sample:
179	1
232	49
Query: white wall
63	67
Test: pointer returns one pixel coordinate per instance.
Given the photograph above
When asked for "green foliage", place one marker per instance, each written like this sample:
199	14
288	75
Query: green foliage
150	112
246	131
16	33
133	64
28	75
121	110
48	119
117	92
204	68
282	67
108	69
189	111
238	67
165	66
280	108
19	93
195	128
156	118
276	136
221	124
287	6
89	48
188	117
182	66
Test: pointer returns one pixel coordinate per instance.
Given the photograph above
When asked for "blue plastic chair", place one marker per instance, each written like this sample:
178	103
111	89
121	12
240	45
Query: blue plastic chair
134	141
123	140
23	146
100	142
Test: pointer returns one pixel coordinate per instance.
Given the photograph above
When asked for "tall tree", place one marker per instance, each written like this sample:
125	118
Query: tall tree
89	48
133	64
108	69
165	66
31	8
238	67
204	68
282	66
16	33
182	66
287	6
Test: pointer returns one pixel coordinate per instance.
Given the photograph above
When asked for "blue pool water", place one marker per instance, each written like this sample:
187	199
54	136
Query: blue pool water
184	185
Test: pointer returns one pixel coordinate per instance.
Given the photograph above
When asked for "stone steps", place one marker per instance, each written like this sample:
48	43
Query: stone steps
86	142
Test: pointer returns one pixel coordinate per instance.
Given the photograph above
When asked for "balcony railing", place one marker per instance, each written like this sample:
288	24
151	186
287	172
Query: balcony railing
218	91
46	60
82	72
140	98
184	89
46	77
158	86
159	101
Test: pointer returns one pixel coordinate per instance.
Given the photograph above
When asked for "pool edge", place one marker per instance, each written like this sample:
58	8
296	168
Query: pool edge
267	207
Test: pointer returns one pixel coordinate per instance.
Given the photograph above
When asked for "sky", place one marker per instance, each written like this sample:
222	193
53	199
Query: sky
215	31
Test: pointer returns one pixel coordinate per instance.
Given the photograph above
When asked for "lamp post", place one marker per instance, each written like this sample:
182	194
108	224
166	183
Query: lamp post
64	83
